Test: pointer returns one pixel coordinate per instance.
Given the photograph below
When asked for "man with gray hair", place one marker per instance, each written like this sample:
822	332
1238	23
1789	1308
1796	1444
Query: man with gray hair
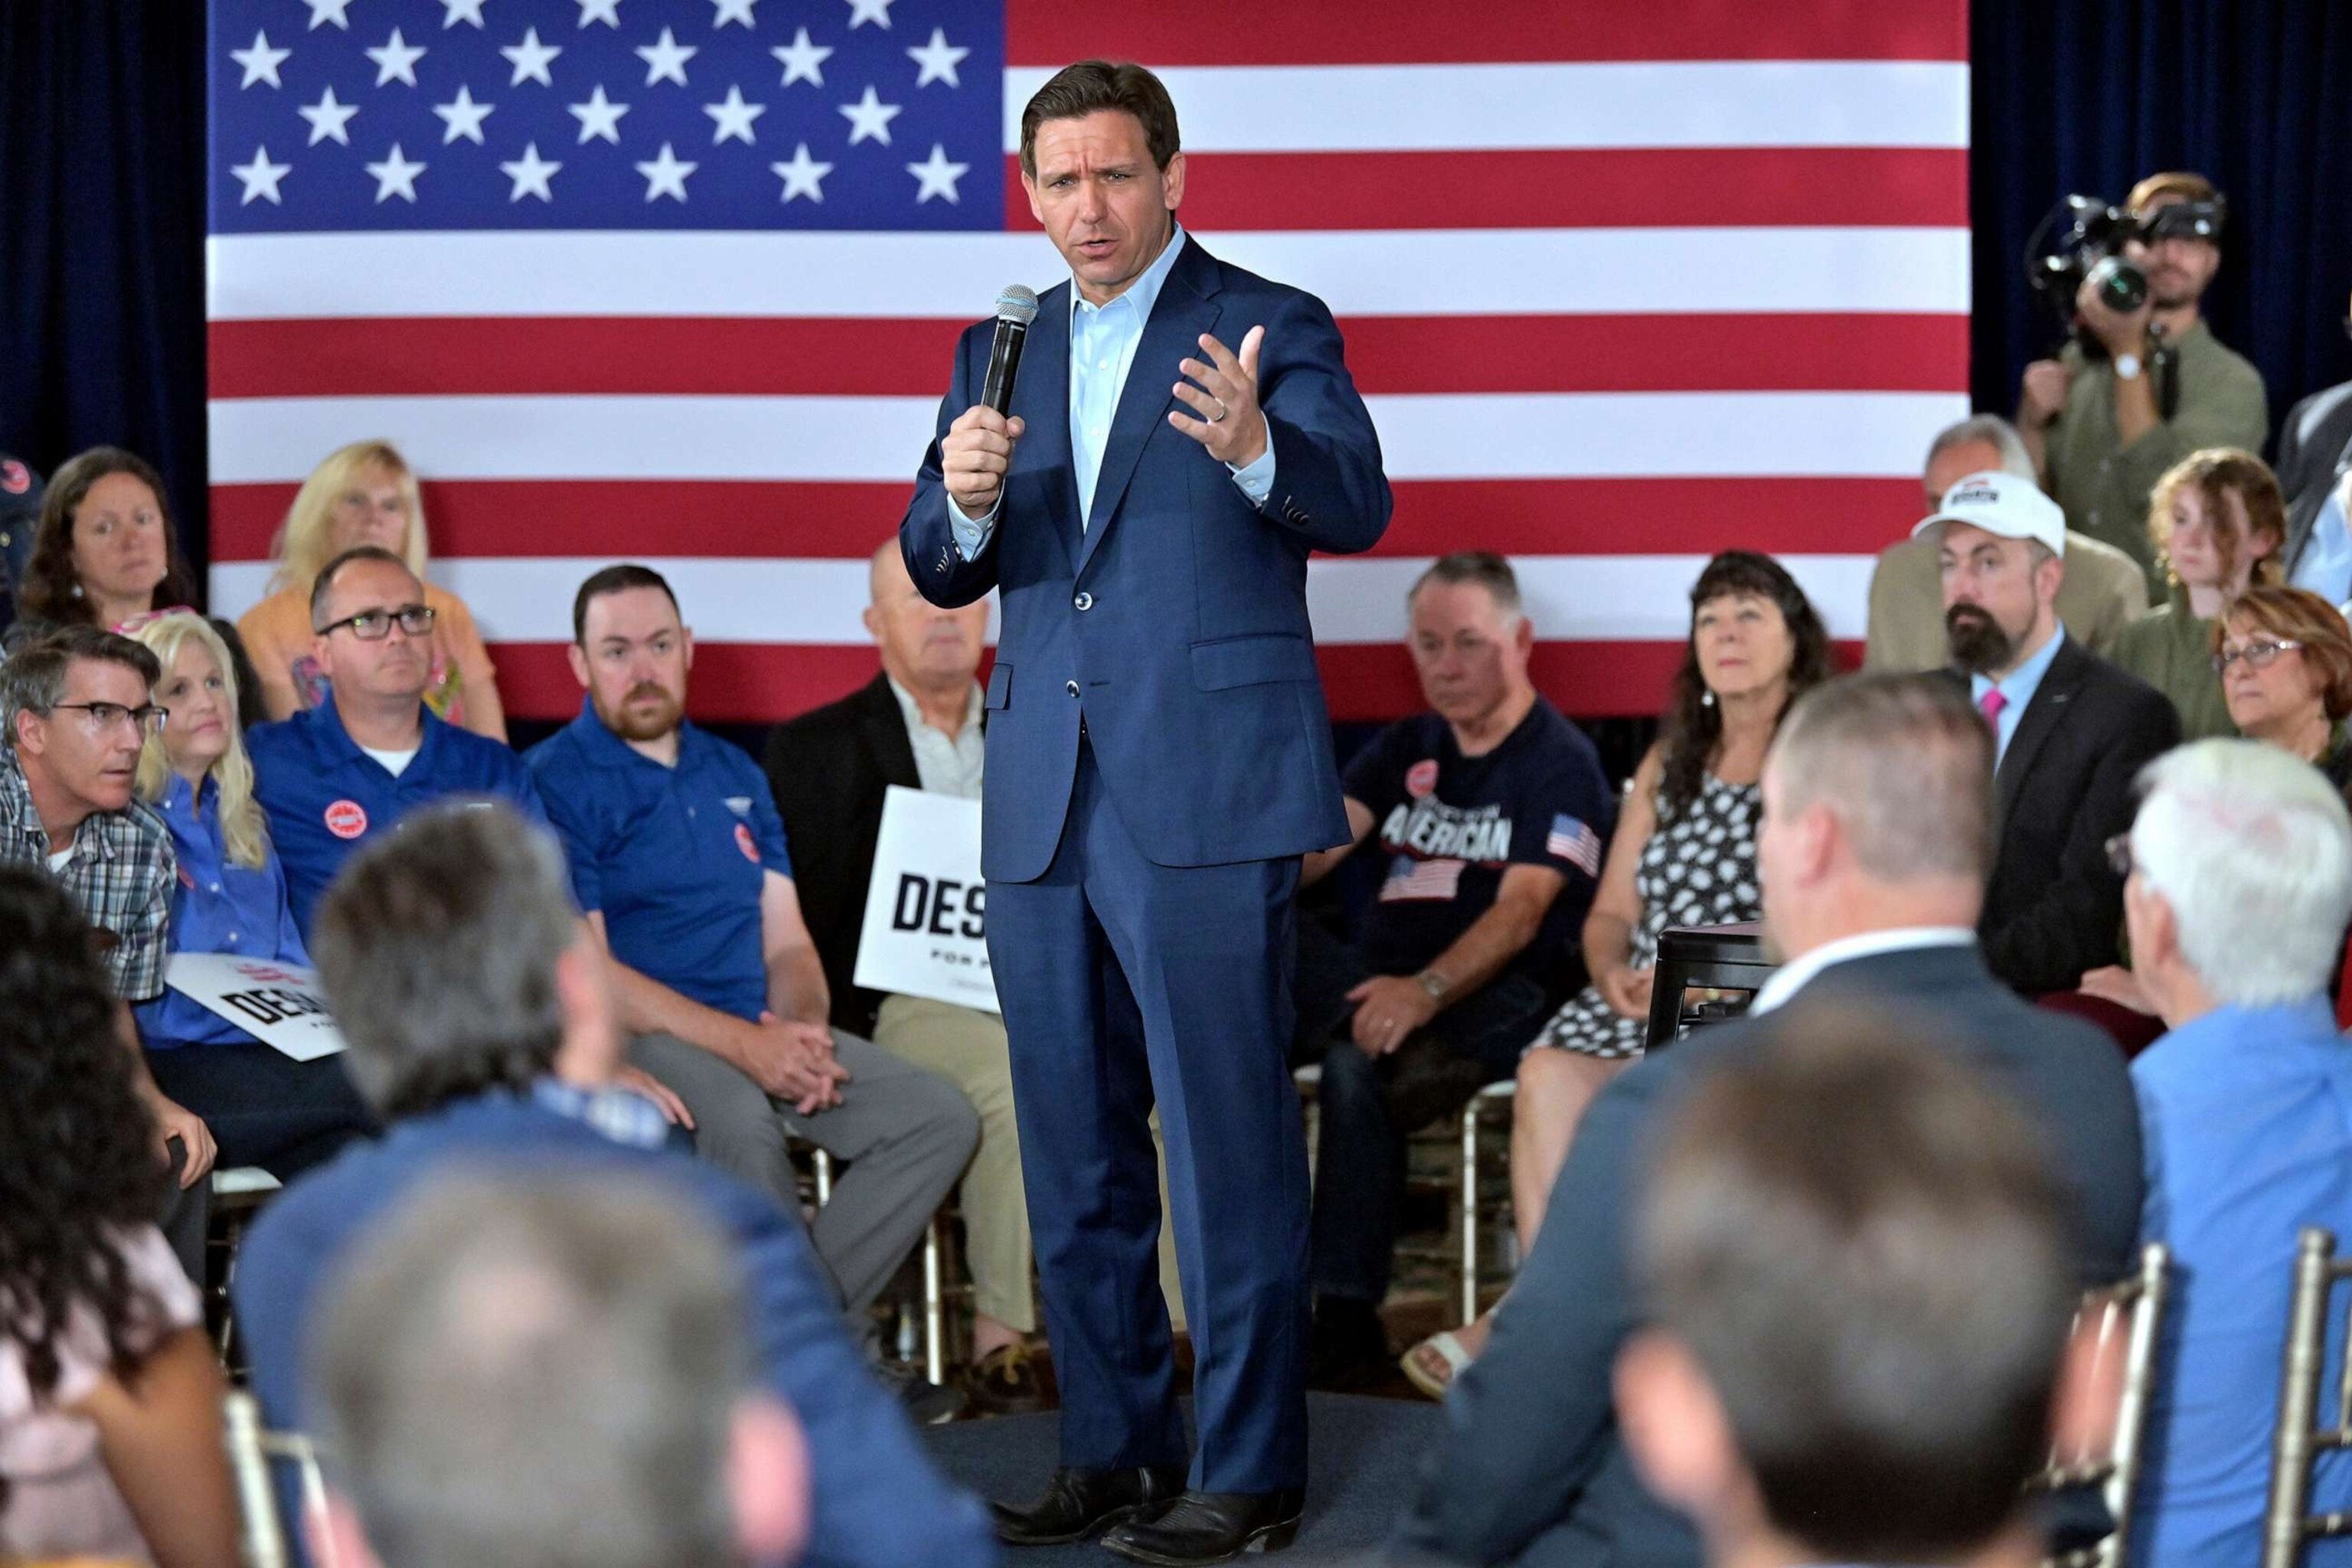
480	1030
2238	887
549	1371
2103	592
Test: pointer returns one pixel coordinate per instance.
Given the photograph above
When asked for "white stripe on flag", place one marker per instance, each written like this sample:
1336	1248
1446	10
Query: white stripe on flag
263	441
1698	103
1416	272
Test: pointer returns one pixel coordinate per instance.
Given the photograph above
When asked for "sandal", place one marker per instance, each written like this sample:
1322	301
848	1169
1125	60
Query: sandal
1447	1346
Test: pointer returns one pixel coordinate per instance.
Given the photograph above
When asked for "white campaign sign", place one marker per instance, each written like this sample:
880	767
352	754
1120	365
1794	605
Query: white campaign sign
279	1005
926	909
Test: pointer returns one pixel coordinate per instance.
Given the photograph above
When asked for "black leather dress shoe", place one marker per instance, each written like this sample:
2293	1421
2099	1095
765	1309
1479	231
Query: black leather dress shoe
1210	1527
1079	1502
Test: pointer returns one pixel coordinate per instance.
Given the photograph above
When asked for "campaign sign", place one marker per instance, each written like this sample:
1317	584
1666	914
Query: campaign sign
279	1005
927	908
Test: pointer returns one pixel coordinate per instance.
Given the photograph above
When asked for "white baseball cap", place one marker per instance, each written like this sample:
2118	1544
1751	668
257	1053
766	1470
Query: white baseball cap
2002	503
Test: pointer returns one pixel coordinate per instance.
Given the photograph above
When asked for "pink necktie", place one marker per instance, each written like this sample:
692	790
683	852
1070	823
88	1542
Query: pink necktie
1990	704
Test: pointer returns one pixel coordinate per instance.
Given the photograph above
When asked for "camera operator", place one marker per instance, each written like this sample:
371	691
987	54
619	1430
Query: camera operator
2098	420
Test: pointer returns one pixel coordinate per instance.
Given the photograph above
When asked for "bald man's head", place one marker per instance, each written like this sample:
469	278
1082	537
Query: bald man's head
924	647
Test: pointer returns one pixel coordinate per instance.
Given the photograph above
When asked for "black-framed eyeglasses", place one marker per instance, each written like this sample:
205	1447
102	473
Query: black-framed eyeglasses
2257	654
107	715
2119	854
374	626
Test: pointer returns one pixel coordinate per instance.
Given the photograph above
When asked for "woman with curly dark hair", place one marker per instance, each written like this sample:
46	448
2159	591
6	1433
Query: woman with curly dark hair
109	1397
1683	853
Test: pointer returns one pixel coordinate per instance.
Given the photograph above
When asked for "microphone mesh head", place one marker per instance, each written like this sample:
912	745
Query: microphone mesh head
1017	303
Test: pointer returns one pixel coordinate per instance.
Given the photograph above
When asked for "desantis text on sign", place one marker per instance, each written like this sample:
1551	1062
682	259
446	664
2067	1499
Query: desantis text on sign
927	908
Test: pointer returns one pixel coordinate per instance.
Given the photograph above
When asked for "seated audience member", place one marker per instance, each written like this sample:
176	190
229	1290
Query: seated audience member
335	775
2240	887
364	494
2070	733
1684	855
109	1397
549	1371
2285	658
1857	1323
679	862
481	1029
2103	592
2097	421
20	521
106	553
77	706
264	1108
2217	523
2315	470
1492	813
1877	832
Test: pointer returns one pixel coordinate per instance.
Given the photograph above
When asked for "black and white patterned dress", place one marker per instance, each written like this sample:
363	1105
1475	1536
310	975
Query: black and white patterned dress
1700	869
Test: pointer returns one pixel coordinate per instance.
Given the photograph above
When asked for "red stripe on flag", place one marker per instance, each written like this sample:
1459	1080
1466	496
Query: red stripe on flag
1052	33
1680	187
618	518
771	357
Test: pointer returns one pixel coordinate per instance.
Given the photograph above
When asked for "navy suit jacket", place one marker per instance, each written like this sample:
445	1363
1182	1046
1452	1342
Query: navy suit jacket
1176	620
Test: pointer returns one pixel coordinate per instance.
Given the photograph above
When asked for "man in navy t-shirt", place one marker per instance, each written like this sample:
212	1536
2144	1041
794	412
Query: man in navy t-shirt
679	862
1491	814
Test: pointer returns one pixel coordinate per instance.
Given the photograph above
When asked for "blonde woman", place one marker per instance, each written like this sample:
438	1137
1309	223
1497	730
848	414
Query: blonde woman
264	1108
364	493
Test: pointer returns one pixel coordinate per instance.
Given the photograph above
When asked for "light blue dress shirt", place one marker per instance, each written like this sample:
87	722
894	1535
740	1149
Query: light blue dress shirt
2019	685
2246	1124
219	906
2325	565
1103	340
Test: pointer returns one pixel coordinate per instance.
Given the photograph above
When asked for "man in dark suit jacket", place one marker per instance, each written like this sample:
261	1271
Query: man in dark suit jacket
2315	459
1160	757
1873	851
2071	732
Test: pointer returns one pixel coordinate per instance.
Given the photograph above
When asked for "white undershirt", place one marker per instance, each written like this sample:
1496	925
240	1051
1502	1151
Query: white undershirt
58	860
395	763
1792	976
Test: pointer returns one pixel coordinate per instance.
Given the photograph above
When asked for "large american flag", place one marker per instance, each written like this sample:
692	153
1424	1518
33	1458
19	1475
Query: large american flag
1624	282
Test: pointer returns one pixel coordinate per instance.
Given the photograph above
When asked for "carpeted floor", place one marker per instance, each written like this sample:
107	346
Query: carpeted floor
1361	1457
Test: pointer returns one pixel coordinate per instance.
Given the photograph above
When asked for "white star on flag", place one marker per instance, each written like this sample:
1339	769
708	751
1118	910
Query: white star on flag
665	175
530	174
734	10
937	176
328	118
463	117
260	177
461	11
531	59
605	11
396	59
325	11
665	59
395	176
734	117
803	175
803	61
863	11
869	116
261	62
598	117
937	60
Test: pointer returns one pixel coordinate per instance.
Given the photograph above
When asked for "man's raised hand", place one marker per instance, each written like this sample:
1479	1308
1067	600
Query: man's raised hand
1222	396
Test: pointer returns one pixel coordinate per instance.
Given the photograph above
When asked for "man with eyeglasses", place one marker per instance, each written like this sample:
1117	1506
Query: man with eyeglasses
76	706
336	775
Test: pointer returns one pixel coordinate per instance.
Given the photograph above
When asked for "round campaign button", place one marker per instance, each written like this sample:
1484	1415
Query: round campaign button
14	478
744	841
346	819
1421	778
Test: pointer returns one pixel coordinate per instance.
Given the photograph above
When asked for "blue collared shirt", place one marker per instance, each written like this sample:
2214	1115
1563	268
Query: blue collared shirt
2019	685
2246	1118
2325	565
673	857
326	797
217	906
1103	341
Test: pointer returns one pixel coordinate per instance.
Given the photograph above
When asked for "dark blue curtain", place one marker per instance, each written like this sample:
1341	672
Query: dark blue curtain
2090	95
101	236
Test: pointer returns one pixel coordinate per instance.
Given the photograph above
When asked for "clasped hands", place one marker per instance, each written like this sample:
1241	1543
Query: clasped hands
794	1061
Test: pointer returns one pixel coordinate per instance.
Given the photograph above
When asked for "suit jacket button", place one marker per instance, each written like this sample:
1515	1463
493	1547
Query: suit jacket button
1083	601
1073	689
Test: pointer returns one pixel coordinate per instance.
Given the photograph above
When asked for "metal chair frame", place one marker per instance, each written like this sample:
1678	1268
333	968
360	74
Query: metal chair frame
261	1538
2297	1441
2138	1301
1505	1093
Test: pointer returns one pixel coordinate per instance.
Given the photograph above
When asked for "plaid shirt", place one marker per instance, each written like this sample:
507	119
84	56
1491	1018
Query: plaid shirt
619	1114
120	877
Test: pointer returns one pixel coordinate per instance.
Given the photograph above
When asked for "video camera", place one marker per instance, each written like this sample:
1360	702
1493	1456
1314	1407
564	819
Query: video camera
2082	238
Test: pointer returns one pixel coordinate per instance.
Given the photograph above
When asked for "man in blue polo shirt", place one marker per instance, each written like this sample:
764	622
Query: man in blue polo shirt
679	862
336	776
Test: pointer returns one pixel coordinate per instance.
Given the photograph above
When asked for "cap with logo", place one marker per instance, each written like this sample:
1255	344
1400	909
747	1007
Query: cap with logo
2004	504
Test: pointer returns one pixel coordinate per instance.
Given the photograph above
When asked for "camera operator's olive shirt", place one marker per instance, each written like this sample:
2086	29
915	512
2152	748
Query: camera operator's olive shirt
2103	485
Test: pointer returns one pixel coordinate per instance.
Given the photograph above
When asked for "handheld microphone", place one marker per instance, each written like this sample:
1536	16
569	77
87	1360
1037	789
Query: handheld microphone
1016	307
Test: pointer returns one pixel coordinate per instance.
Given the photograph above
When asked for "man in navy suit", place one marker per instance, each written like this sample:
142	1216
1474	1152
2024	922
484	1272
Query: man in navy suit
1159	759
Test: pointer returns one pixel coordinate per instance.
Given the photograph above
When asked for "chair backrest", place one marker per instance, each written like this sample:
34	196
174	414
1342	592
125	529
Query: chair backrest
2124	1318
251	1448
2297	1441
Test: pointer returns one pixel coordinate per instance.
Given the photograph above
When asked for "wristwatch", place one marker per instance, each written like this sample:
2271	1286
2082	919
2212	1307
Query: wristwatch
2127	367
1435	984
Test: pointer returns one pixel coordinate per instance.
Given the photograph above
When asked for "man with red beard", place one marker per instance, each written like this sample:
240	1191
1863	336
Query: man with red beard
679	862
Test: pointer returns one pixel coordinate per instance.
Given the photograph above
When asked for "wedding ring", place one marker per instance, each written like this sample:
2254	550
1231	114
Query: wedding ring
1220	411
